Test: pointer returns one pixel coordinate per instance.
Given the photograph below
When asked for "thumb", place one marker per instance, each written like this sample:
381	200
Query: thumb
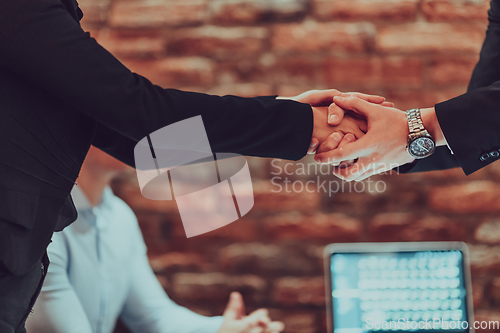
235	308
355	104
335	115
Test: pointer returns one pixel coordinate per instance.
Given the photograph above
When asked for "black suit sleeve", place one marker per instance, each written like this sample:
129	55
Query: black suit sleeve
42	43
471	122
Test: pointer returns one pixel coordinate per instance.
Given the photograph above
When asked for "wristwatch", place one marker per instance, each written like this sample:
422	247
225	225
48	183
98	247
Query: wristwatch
420	142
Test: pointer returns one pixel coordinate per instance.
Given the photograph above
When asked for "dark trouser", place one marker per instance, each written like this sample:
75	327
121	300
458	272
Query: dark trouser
18	295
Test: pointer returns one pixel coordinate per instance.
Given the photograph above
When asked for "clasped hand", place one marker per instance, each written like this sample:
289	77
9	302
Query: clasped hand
358	134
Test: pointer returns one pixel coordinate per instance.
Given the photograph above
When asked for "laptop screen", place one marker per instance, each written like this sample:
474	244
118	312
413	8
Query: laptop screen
417	291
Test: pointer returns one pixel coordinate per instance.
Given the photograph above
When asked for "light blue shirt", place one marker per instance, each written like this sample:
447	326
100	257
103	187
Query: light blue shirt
99	271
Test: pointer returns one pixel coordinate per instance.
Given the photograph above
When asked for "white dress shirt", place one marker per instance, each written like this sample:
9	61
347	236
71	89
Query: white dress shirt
99	271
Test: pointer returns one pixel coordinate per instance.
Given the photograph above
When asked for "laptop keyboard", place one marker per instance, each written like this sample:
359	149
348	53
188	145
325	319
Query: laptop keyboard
415	289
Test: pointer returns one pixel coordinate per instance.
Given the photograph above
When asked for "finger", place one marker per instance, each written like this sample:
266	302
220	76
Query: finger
335	115
389	104
369	98
348	138
348	152
275	327
235	308
313	146
331	142
355	104
259	317
319	97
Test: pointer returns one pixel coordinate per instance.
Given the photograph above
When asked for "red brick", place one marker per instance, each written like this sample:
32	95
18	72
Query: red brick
135	14
178	261
389	226
270	198
95	12
456	10
436	229
488	232
321	227
403	199
292	291
243	230
254	11
146	46
243	70
158	229
265	259
477	294
405	227
401	10
218	41
174	72
299	70
430	37
322	37
405	99
484	259
215	287
494	291
374	71
452	70
471	197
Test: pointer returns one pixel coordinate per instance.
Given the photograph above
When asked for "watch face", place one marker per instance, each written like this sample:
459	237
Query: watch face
422	147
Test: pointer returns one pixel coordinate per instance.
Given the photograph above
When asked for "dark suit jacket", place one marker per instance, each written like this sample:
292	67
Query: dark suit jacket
60	92
471	122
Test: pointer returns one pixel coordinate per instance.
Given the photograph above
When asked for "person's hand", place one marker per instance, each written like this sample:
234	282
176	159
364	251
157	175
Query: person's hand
235	320
335	115
348	131
323	98
351	124
382	148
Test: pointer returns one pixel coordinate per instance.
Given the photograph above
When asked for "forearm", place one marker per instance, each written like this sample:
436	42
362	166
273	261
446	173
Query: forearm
42	44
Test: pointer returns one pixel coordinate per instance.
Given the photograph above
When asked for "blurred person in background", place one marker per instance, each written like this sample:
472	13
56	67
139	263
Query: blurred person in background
100	272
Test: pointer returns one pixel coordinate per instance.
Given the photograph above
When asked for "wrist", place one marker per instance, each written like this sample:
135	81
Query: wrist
320	129
431	124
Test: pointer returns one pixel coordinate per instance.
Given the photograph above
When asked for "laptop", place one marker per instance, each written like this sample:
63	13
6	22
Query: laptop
398	287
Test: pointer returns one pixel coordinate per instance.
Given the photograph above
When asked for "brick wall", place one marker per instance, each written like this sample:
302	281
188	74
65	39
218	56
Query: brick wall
414	52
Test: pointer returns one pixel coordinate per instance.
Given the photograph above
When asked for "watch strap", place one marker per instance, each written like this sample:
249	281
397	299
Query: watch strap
415	123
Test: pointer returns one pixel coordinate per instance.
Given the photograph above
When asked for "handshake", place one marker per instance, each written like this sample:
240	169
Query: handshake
361	135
